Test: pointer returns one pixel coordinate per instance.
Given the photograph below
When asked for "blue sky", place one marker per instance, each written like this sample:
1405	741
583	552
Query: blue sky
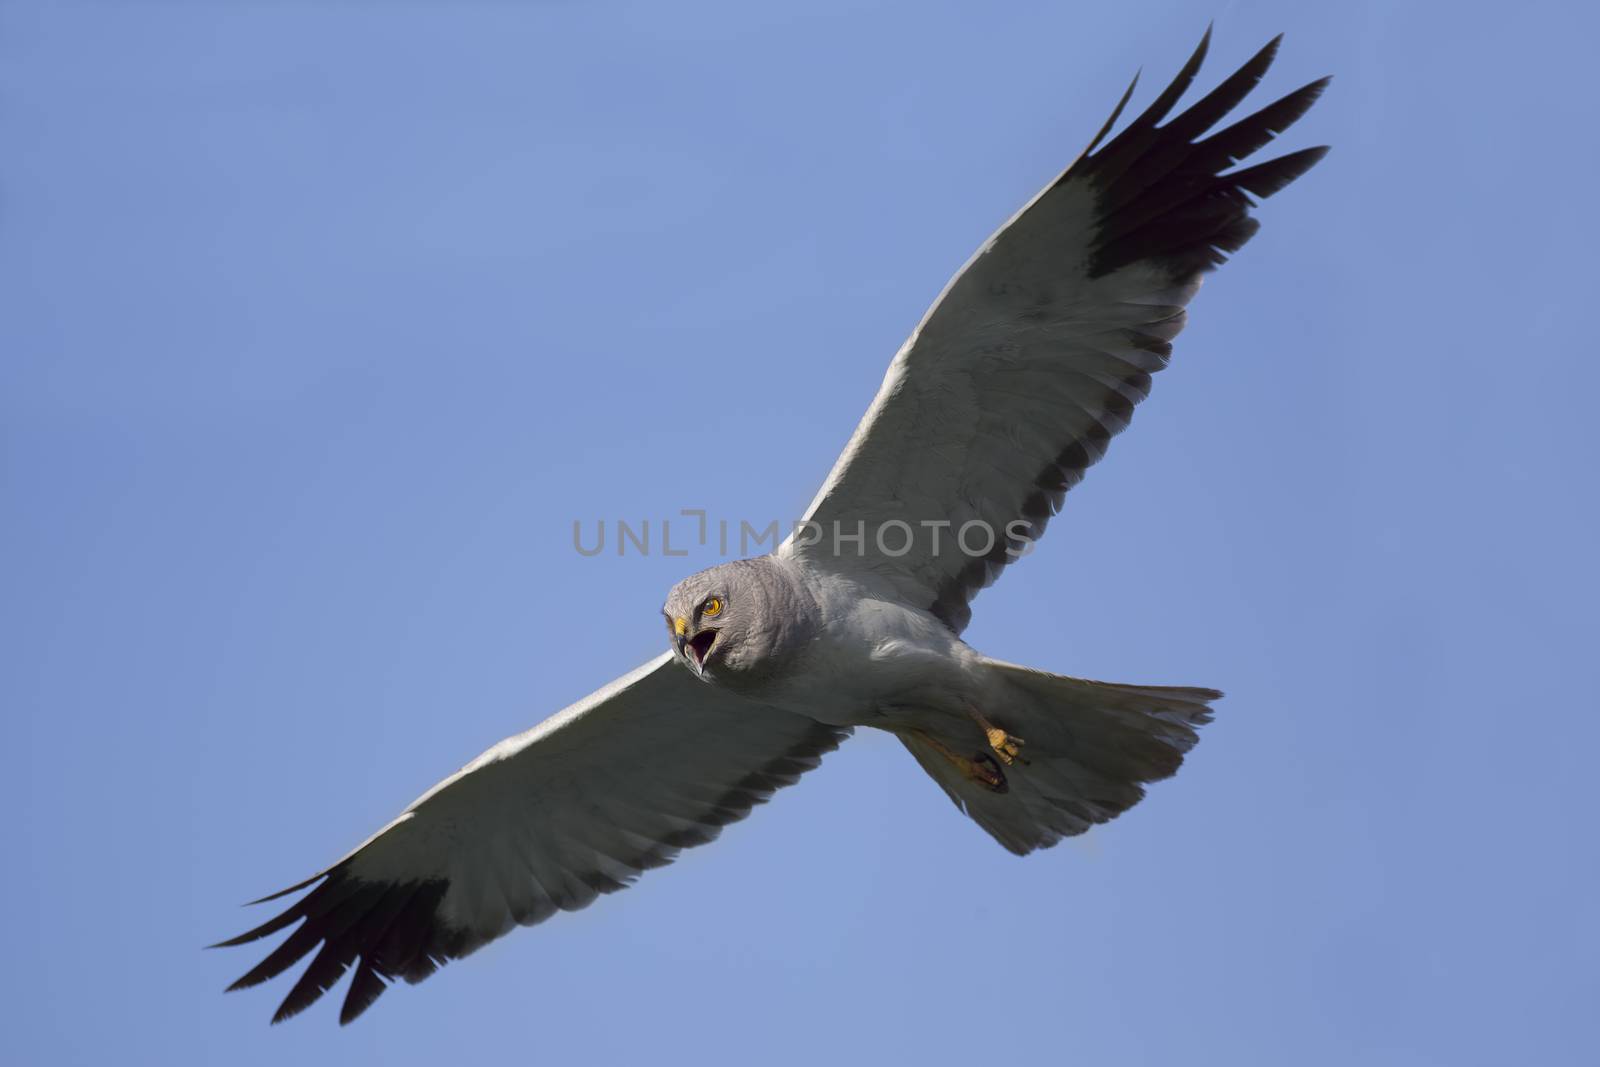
323	322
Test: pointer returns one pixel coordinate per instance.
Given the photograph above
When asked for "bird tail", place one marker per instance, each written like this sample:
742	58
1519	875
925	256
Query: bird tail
1087	750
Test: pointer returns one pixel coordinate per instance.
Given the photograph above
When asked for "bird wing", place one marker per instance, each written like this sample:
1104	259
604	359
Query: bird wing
580	805
1036	353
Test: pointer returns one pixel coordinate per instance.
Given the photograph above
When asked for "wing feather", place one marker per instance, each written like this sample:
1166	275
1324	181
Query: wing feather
1037	353
575	808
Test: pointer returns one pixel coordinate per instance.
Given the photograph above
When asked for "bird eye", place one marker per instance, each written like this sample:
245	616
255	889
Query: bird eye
712	607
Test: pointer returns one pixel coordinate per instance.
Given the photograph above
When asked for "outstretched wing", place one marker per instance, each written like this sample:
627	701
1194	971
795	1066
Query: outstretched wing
580	805
1036	353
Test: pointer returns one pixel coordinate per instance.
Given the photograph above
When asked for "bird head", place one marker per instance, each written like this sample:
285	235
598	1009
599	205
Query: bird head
737	623
702	618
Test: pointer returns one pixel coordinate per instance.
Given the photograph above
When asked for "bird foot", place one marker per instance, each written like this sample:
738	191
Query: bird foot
987	773
981	768
1008	748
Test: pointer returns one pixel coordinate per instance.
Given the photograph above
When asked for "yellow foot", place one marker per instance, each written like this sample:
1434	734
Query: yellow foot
981	768
1008	748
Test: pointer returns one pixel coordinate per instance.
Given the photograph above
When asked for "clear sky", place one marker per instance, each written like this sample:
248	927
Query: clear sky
322	322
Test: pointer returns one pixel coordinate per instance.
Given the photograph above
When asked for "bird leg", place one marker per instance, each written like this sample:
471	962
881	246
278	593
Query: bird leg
1008	748
980	768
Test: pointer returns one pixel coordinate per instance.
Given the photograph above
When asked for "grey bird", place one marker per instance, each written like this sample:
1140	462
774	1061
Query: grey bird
1012	385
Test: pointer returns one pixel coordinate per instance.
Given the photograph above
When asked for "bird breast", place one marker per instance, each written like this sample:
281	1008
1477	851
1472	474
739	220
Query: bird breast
870	656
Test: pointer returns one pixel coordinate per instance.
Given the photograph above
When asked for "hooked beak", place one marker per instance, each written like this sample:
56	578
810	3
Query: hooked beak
700	647
693	649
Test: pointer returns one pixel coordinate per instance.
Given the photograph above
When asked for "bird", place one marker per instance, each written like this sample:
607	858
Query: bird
1012	385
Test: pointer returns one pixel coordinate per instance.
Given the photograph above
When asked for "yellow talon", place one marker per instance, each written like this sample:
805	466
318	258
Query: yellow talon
1008	748
981	768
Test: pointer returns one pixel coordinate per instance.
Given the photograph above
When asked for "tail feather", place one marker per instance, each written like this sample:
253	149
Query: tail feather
1090	749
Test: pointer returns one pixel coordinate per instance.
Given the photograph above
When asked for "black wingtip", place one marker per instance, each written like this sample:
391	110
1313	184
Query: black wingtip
1165	195
1116	113
365	988
1264	179
384	929
284	918
1170	95
285	892
1253	132
321	975
271	926
1269	52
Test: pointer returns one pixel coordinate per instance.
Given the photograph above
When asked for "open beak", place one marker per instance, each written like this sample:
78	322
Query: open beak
694	648
699	647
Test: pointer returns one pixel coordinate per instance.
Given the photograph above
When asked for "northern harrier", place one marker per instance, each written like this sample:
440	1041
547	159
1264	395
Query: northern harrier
1012	385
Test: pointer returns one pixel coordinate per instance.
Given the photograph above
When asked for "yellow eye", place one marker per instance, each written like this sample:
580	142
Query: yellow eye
712	608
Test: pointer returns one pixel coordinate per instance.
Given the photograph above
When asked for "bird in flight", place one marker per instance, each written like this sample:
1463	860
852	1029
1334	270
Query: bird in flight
1012	386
